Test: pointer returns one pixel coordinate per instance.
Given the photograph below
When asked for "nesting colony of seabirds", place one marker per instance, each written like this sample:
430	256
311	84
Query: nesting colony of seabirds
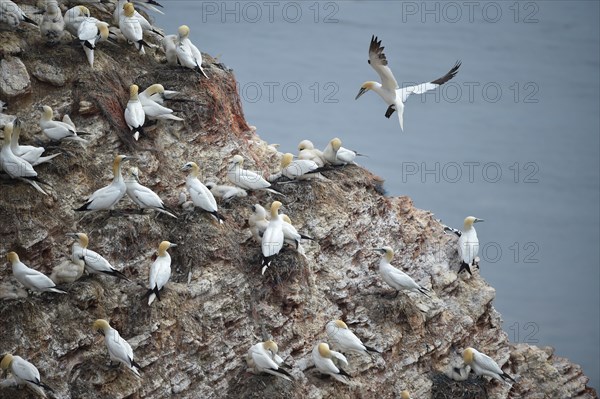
272	230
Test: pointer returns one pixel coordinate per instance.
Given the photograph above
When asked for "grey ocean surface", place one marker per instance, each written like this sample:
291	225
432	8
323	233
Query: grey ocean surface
513	139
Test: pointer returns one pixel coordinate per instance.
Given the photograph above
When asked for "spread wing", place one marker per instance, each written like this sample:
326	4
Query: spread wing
379	63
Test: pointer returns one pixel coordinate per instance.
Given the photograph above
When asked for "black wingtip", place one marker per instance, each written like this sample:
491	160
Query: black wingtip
464	266
342	372
29	20
118	274
155	3
157	293
83	207
371	349
390	111
88	45
506	376
306	237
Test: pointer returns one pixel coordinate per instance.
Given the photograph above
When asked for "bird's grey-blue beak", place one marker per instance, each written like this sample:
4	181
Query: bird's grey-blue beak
478	220
360	92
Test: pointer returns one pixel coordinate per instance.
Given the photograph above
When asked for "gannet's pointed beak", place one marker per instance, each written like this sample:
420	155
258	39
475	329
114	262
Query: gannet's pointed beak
360	93
171	245
379	250
73	235
478	220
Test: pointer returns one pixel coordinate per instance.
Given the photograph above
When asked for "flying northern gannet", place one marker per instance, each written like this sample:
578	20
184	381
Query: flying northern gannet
118	349
482	364
247	179
90	32
306	150
468	244
296	169
74	17
160	271
263	358
152	109
273	238
146	26
328	362
131	28
142	196
53	24
200	194
15	167
57	130
94	262
224	191
30	278
388	89
24	373
107	197
29	153
337	155
396	278
134	112
11	15
258	222
343	339
187	53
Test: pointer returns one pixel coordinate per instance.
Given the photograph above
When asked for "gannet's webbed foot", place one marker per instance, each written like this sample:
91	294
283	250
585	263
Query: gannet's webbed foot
390	111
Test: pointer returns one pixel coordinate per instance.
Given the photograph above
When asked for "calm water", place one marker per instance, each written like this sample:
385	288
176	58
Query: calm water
513	139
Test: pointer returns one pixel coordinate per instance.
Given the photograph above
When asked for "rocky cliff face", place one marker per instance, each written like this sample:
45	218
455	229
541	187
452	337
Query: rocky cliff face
192	343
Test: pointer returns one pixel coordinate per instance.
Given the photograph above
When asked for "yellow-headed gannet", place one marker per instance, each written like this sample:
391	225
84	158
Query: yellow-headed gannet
118	349
224	191
200	194
187	53
29	153
67	271
107	197
405	395
57	130
306	150
263	358
90	32
131	28
273	237
152	109
343	339
119	13
53	24
134	112
15	167
337	155
258	222
11	15
297	169
160	271
142	196
247	179
74	17
30	278
388	89
328	362
482	364
24	373
468	244
94	262
396	278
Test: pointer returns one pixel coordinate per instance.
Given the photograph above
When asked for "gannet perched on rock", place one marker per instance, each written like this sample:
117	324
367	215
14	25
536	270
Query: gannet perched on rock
28	153
263	358
296	169
169	45
388	89
94	262
200	194
328	362
343	339
187	53
160	271
482	364
30	278
306	150
131	27
258	222
396	278
273	237
107	197
291	235
224	191
53	24
152	109
24	373
11	15
57	130
146	26
67	271
142	196
90	32
74	17
134	112
118	349
468	244
247	179
335	154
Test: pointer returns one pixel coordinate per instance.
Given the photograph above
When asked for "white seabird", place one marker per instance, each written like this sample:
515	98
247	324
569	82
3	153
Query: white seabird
90	32
152	109
57	130
11	15
146	26
67	271
328	362
187	53
30	278
118	349
29	153
169	45
24	373
93	261
396	278
297	169
131	27
343	339
263	358
134	112
306	150
337	155
224	191
482	364
273	237
142	196
74	17
468	244
53	24
160	271
258	222
200	194
388	89
107	197
247	179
